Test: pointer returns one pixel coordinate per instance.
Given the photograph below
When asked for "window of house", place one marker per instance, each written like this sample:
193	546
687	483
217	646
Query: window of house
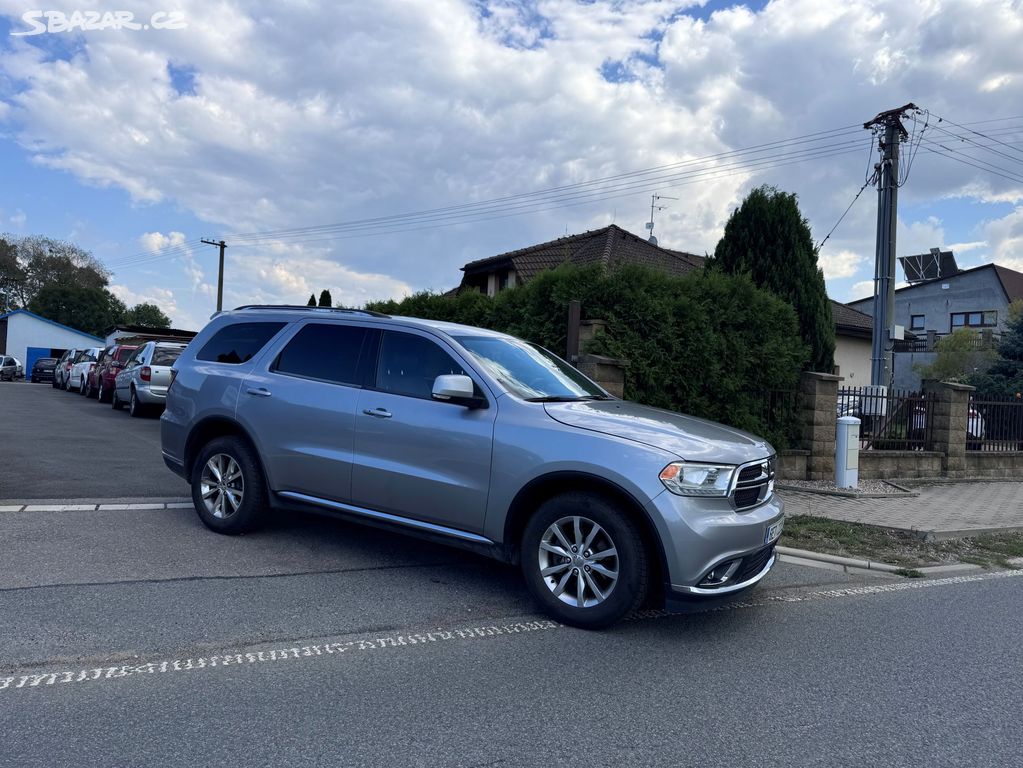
325	352
987	319
916	323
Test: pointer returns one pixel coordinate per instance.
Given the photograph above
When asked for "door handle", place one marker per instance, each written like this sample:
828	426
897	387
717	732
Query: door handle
258	391
379	413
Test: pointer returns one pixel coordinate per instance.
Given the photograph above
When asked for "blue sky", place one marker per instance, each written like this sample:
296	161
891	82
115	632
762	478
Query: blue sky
255	117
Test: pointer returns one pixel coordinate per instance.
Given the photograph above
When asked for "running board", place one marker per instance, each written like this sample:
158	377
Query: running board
384	516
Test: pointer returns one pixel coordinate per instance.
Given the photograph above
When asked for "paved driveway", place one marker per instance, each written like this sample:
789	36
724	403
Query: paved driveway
57	445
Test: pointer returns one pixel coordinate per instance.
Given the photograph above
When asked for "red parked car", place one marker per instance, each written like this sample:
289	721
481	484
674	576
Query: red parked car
99	382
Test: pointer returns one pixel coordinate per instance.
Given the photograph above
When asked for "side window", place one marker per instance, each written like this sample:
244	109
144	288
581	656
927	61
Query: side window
323	351
238	343
134	359
408	364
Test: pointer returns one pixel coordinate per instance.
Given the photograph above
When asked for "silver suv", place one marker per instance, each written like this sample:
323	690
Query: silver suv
476	439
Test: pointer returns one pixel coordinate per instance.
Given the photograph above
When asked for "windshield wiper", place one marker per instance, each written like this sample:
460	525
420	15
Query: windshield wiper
565	398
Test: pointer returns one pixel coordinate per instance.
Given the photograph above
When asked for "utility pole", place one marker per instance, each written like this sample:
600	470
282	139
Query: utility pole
886	173
220	274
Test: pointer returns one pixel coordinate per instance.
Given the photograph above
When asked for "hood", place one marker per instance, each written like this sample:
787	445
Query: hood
687	437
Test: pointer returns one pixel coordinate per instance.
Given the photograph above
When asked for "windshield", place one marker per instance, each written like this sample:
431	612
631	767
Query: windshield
529	371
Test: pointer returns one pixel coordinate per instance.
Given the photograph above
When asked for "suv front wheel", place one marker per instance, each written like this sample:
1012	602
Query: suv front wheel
584	560
228	487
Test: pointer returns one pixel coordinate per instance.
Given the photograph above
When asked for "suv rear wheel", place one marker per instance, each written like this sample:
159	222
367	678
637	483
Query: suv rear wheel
228	487
584	560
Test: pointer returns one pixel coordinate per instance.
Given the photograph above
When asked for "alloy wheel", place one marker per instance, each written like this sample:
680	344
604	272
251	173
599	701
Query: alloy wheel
578	561
222	486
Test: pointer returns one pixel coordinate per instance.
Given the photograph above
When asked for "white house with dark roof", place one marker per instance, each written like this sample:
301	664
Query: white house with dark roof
28	337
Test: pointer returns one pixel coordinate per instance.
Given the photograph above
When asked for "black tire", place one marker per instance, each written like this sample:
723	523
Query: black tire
115	401
630	589
89	392
252	510
54	382
135	409
102	394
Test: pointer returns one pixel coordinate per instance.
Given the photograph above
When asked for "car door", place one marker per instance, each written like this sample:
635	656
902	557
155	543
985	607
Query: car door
122	383
415	456
301	405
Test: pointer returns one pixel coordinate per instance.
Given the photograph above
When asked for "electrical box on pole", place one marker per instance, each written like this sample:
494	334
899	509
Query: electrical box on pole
888	181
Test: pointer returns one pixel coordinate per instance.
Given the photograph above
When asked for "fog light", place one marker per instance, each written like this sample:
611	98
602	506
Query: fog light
721	573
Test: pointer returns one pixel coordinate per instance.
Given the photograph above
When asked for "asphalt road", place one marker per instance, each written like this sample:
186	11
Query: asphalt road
58	445
141	639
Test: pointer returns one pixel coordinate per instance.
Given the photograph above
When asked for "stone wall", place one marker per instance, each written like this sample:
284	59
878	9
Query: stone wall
792	465
994	464
885	465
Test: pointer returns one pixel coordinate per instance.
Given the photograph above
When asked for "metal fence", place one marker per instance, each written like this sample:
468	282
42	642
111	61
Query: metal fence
995	424
778	412
891	420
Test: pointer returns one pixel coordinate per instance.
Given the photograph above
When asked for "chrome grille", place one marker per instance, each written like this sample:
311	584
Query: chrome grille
754	483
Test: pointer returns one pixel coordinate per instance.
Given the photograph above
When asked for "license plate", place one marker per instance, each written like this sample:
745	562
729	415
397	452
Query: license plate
774	531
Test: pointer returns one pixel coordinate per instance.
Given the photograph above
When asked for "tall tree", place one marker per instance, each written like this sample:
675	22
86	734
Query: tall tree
1005	376
148	315
767	238
38	262
325	300
86	308
312	300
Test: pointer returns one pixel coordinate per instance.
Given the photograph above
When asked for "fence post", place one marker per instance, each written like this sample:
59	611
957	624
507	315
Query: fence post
948	430
818	400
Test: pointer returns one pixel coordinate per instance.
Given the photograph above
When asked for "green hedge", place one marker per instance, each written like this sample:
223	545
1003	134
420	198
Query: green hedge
706	344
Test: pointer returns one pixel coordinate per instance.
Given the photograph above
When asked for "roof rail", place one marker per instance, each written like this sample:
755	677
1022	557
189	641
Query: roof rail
368	312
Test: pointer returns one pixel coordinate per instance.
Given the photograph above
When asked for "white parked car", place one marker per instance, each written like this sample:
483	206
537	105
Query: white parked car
76	376
142	383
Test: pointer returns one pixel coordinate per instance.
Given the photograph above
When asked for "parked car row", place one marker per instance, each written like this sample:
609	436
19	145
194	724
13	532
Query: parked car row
135	376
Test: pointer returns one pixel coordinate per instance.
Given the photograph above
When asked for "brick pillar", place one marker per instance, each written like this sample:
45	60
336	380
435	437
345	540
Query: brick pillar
817	403
948	429
608	372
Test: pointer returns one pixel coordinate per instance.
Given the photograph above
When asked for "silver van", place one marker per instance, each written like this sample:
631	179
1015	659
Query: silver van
476	439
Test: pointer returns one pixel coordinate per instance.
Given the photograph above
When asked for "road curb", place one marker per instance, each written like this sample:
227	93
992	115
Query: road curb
849	562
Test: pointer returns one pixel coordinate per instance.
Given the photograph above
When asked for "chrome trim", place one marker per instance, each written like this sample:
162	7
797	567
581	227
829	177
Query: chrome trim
419	524
705	592
764	480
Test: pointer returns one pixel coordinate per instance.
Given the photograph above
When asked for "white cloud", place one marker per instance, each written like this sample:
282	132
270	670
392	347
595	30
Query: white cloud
839	264
18	219
860	290
328	112
154	241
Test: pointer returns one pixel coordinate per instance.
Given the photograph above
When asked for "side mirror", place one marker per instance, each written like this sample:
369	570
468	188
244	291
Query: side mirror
456	388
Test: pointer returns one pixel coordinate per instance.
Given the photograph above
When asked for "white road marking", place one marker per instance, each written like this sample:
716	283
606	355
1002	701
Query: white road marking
324	649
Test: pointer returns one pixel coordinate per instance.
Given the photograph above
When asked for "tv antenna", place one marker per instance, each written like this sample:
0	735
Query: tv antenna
655	207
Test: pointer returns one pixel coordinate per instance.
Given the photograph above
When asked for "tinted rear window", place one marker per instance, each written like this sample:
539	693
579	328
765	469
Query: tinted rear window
164	356
124	353
46	361
238	343
322	351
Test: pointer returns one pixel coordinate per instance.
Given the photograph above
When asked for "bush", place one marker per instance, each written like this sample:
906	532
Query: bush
708	344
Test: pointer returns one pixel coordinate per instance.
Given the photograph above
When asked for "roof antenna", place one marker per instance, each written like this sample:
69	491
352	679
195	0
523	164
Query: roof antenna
655	207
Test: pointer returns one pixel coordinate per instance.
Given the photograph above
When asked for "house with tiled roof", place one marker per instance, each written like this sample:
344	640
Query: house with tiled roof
611	246
853	333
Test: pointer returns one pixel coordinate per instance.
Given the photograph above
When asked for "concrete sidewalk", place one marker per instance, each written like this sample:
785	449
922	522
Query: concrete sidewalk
942	510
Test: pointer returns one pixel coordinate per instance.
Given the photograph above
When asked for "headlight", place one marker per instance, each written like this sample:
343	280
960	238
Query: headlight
687	479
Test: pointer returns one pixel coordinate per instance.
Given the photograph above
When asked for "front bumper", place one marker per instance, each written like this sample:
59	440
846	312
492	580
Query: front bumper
702	535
